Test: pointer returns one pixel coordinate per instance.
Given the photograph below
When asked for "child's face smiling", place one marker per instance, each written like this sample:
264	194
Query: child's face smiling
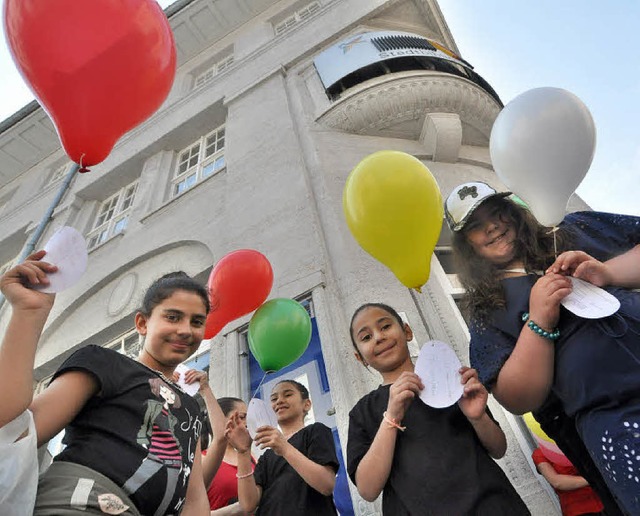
174	329
491	236
287	402
381	340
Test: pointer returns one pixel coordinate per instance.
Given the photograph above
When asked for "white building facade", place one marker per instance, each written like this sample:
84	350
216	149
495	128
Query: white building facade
251	150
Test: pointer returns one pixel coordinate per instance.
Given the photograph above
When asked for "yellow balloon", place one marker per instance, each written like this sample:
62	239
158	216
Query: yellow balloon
535	427
393	208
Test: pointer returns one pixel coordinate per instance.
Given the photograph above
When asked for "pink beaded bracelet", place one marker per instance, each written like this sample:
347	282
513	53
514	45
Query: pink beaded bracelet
393	423
239	477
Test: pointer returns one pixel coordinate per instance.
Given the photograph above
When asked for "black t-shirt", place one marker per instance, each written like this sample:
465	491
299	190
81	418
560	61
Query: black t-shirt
139	430
439	465
284	492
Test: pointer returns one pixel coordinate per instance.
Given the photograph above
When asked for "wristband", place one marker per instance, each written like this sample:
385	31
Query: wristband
239	477
549	335
393	423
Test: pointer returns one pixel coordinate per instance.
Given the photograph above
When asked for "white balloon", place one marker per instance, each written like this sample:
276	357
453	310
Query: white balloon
542	145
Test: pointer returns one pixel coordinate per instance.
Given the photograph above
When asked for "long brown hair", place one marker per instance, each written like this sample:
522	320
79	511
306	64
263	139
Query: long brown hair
481	279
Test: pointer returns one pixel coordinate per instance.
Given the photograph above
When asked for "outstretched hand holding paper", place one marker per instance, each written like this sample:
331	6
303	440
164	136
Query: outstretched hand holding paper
67	249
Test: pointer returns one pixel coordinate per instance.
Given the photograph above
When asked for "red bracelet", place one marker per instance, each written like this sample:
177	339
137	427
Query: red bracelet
393	423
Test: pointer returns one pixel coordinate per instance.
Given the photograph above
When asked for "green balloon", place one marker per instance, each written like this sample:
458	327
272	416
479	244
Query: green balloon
279	333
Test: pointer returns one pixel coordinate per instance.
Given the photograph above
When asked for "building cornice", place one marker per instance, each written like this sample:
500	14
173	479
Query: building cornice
381	103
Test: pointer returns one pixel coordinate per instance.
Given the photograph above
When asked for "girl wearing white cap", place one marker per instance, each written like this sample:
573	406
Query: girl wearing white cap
526	346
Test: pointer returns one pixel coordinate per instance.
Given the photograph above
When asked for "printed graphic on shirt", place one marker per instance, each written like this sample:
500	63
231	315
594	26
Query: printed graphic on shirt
157	434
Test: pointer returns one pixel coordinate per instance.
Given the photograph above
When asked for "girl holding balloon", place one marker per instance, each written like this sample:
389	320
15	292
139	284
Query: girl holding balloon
132	435
297	473
528	348
424	460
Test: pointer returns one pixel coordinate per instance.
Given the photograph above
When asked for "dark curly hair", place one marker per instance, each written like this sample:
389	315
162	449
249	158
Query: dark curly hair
481	279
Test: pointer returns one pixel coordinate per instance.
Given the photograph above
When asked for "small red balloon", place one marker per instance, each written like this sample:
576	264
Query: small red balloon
238	284
98	67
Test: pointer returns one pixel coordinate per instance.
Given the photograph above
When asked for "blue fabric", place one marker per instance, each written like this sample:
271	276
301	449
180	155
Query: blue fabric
597	362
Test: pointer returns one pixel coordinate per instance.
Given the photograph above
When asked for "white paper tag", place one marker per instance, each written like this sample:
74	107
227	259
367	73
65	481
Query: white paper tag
192	388
260	413
66	249
589	301
438	367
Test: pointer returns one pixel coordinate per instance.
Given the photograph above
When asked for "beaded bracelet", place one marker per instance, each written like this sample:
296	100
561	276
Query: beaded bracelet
393	423
239	477
550	335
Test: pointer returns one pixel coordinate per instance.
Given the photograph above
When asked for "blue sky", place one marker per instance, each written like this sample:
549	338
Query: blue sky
587	47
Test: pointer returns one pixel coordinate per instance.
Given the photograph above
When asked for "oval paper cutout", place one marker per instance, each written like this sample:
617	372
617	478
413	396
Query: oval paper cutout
589	301
260	413
438	367
66	249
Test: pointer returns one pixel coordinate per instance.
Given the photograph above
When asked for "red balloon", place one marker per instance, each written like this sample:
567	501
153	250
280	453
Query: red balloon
238	284
98	67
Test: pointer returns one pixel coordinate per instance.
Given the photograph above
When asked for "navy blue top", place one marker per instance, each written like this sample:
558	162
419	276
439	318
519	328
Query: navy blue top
596	361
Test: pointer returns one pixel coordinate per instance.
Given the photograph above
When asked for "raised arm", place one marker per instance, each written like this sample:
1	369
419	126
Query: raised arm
473	405
196	503
215	452
374	468
30	309
249	493
526	377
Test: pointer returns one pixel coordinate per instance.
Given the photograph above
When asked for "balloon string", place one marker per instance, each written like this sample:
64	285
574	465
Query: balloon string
260	384
419	308
554	230
82	168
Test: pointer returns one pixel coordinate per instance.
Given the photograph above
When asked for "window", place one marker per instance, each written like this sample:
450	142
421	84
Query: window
199	161
127	344
298	16
113	216
211	72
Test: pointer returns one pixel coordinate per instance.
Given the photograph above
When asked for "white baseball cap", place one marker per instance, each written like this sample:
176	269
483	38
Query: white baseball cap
464	199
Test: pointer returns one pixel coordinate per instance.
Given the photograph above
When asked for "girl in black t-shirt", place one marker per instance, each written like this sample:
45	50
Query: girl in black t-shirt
297	474
131	434
426	461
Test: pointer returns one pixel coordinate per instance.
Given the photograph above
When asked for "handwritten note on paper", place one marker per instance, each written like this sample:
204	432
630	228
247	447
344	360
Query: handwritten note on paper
438	366
190	388
590	302
67	249
260	413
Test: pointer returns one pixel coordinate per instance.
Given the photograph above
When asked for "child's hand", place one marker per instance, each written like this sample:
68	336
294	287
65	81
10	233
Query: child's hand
474	396
32	271
269	437
401	394
545	297
581	265
237	434
193	375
